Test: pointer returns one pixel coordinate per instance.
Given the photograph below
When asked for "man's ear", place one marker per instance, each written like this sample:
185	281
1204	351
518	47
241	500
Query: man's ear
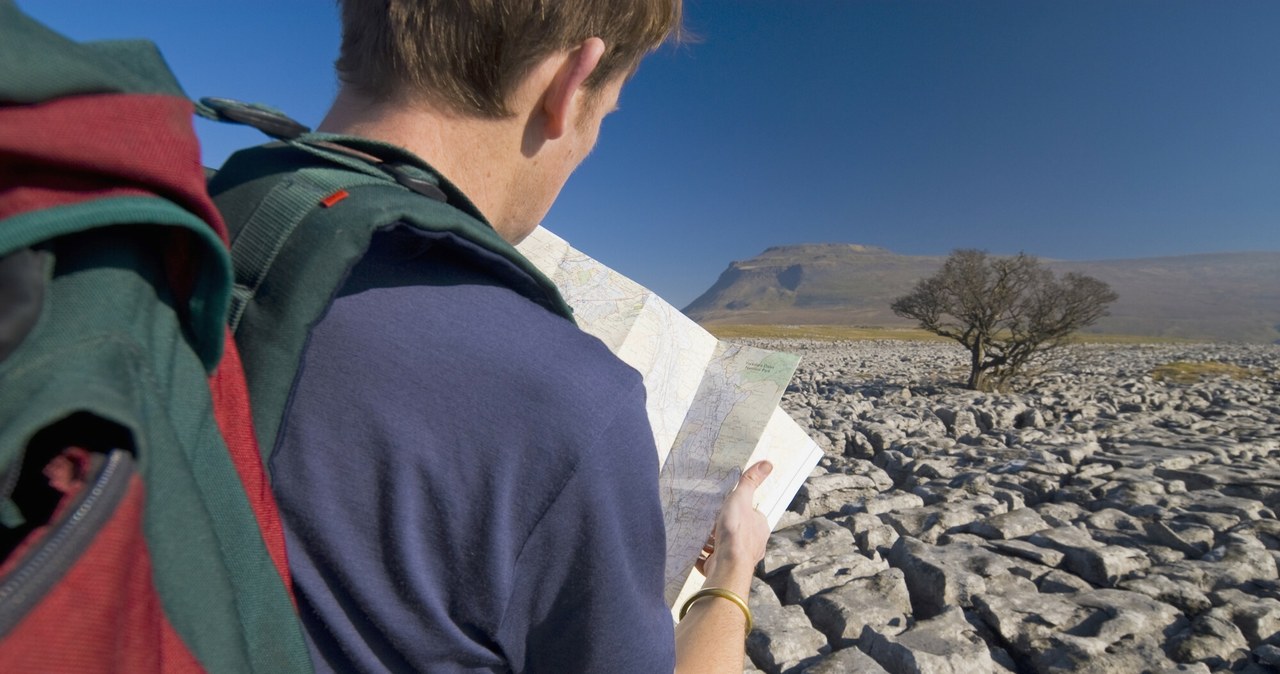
568	83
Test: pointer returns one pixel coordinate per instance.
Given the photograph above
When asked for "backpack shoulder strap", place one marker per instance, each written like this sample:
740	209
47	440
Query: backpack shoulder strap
259	240
303	211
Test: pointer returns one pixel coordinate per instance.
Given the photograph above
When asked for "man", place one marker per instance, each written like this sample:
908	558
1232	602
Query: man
468	481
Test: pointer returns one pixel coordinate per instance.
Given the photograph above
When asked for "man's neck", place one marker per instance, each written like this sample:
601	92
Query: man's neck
473	153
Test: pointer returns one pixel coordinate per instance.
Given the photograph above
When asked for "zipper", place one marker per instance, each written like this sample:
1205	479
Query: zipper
32	579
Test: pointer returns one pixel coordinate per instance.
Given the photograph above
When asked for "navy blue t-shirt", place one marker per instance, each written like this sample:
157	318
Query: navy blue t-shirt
468	481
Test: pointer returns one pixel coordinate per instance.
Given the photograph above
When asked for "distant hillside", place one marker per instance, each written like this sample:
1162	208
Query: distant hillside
1217	296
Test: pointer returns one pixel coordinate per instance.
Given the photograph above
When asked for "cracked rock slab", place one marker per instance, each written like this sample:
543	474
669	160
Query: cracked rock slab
818	537
846	661
782	636
1013	524
946	644
1184	596
812	576
931	522
939	577
1102	565
880	602
1212	639
1109	631
1029	551
1257	617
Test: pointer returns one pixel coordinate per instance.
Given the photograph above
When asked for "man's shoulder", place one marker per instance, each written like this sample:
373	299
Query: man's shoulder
433	308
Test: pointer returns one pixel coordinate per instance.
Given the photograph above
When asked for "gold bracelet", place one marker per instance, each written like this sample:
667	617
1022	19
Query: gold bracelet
723	594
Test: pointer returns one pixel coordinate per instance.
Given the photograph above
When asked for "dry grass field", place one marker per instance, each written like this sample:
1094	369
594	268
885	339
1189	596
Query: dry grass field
839	333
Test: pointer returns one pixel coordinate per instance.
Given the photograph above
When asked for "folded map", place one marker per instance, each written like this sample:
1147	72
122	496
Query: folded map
713	405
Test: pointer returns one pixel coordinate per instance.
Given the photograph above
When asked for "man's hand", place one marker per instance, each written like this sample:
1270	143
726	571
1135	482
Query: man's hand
738	540
709	639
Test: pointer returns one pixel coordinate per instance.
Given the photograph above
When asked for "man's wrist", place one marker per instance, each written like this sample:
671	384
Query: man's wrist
732	575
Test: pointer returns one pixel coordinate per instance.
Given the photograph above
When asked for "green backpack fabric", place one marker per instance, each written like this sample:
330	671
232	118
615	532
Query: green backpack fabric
137	530
302	212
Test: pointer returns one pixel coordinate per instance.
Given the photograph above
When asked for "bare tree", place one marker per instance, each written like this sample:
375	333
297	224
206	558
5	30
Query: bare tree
1003	309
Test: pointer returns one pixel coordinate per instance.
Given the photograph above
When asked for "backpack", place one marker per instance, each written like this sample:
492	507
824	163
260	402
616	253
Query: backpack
303	211
137	529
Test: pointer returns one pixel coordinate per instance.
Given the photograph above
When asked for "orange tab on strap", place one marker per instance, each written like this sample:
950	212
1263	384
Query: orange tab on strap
334	198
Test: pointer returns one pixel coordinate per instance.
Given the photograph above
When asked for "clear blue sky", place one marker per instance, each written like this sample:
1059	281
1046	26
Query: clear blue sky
1076	129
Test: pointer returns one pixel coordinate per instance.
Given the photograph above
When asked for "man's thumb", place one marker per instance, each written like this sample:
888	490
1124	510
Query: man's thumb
756	474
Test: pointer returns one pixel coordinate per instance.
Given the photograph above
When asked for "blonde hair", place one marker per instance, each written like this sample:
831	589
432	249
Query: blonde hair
471	54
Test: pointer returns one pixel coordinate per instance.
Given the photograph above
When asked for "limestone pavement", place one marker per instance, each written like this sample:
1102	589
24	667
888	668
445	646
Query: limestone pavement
1096	520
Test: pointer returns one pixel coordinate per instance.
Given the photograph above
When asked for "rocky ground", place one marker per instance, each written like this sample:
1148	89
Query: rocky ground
1099	520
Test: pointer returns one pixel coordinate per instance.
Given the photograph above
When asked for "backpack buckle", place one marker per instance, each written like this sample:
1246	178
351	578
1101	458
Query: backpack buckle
265	119
403	173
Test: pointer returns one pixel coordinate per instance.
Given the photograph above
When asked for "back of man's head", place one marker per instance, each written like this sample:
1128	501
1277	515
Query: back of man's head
469	55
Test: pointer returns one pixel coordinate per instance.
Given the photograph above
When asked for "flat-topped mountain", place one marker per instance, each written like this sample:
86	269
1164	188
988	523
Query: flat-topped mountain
1216	296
